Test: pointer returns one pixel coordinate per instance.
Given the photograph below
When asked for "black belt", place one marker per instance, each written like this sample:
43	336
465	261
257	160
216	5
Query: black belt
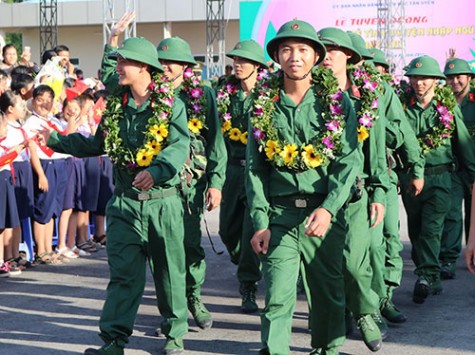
145	195
237	162
299	201
438	169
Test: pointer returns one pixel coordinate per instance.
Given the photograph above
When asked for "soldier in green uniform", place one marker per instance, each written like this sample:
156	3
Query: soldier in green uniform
144	132
459	76
372	184
235	227
379	60
302	161
206	165
444	139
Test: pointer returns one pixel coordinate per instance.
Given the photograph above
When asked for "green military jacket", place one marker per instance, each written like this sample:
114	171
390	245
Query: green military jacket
399	134
239	108
457	150
208	152
298	124
165	167
374	167
467	107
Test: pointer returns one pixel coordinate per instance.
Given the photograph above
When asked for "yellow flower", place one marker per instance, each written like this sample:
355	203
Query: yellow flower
243	138
153	147
235	134
226	126
362	134
195	125
271	149
159	132
310	157
144	158
289	153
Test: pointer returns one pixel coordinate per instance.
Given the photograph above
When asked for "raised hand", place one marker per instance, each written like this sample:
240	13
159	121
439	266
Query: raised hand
120	26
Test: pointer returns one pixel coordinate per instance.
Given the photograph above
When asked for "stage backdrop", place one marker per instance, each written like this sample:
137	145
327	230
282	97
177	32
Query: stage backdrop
432	26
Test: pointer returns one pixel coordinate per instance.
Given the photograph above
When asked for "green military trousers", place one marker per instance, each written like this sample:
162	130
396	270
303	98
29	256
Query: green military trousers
425	216
393	264
194	252
322	260
137	231
360	298
451	244
235	227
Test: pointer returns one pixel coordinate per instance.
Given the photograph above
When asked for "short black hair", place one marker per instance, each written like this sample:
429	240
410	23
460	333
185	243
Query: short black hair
42	89
22	69
47	55
101	93
61	48
20	81
7	46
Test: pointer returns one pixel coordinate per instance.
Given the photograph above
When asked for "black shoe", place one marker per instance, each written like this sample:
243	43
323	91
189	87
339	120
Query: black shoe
391	313
248	293
383	327
421	291
447	271
370	332
107	349
199	312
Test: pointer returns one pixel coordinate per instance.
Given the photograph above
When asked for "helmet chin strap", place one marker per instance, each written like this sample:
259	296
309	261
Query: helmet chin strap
459	93
420	97
247	77
176	77
297	79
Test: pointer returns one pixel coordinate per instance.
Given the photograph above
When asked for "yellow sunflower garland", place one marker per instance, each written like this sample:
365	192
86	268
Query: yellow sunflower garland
223	100
323	147
196	105
155	137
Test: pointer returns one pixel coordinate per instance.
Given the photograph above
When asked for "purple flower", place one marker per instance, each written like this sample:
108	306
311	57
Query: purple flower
328	141
152	85
196	93
195	80
262	74
336	109
338	96
332	125
374	104
445	135
428	141
221	95
231	88
168	101
258	134
227	116
196	107
164	88
446	117
442	110
370	85
164	115
105	133
188	73
358	73
258	111
131	165
366	120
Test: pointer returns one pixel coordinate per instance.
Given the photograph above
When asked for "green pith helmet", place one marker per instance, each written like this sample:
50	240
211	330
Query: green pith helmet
249	49
424	66
175	49
296	29
140	50
457	66
335	37
360	45
379	58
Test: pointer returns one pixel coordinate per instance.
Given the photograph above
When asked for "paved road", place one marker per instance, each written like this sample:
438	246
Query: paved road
55	310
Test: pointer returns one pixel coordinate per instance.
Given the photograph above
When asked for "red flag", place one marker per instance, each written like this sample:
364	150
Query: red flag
99	108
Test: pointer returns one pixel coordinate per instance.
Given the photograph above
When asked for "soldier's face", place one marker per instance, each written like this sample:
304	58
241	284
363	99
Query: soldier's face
336	59
128	70
422	84
243	67
296	57
458	82
172	69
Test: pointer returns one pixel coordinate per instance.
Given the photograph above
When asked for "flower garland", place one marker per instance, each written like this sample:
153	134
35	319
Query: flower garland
223	100
368	84
196	106
155	138
445	105
322	147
